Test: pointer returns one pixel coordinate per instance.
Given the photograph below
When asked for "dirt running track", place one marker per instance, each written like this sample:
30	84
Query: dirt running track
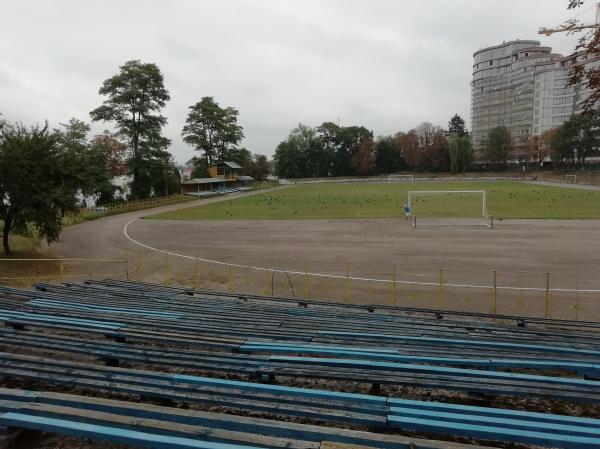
363	254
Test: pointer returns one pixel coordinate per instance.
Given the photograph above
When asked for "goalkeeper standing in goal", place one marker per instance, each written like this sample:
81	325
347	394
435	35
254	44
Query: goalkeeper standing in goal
407	212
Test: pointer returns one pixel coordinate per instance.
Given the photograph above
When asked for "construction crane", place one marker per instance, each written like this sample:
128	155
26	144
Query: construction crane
571	25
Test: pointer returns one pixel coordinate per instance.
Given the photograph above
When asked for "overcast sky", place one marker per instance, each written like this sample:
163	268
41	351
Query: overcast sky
387	65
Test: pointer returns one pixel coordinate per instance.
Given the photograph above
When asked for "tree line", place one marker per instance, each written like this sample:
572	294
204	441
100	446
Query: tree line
569	145
46	173
334	150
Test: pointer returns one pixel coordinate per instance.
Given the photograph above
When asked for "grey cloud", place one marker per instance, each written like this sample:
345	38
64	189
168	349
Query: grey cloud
384	64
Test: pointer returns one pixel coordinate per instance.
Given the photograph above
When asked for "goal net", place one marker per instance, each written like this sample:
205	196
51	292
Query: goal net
401	178
571	179
449	208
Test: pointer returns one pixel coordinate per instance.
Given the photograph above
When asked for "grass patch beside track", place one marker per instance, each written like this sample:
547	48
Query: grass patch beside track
506	199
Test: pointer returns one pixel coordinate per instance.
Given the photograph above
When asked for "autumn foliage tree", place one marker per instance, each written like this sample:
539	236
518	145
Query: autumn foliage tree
589	50
365	158
409	143
114	152
538	148
425	148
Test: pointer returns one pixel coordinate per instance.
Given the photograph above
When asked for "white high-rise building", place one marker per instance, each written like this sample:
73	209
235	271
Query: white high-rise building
523	86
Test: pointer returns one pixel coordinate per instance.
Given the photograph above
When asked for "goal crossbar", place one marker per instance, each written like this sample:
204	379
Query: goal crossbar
426	192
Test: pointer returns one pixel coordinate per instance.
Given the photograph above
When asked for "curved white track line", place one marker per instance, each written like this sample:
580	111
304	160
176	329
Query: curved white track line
334	276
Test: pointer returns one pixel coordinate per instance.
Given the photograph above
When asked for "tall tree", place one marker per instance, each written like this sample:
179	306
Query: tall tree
588	143
300	155
390	158
339	144
212	130
38	181
582	74
330	137
456	125
261	167
230	134
460	152
499	146
135	97
576	139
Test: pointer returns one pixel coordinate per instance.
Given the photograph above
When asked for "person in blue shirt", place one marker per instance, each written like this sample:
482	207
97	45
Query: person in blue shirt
407	211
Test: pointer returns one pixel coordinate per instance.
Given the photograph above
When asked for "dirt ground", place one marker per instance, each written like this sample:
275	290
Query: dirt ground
435	266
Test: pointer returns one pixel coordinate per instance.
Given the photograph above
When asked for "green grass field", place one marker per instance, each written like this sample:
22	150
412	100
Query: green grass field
505	199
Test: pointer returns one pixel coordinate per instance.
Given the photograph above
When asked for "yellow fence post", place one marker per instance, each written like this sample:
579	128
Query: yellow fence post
495	295
266	280
196	276
229	280
138	268
347	284
305	280
167	275
547	314
577	306
34	239
394	286
442	298
126	264
62	271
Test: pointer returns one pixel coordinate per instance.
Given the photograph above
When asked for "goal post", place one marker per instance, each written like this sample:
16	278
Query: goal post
571	179
404	178
449	207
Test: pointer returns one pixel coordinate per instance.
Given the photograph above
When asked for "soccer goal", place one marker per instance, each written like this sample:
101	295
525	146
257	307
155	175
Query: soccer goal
571	179
449	208
401	178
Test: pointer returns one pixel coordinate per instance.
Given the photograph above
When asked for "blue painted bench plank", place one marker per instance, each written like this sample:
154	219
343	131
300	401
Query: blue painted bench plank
520	423
113	434
49	303
430	369
24	316
392	355
495	433
497	412
279	389
261	426
448	341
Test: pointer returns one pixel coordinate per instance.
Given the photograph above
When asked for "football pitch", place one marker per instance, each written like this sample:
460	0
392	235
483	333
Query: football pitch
505	199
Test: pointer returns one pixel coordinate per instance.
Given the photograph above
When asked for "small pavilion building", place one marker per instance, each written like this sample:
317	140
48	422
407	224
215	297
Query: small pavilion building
224	178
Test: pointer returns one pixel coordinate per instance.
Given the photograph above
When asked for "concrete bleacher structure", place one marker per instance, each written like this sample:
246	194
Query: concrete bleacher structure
257	361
